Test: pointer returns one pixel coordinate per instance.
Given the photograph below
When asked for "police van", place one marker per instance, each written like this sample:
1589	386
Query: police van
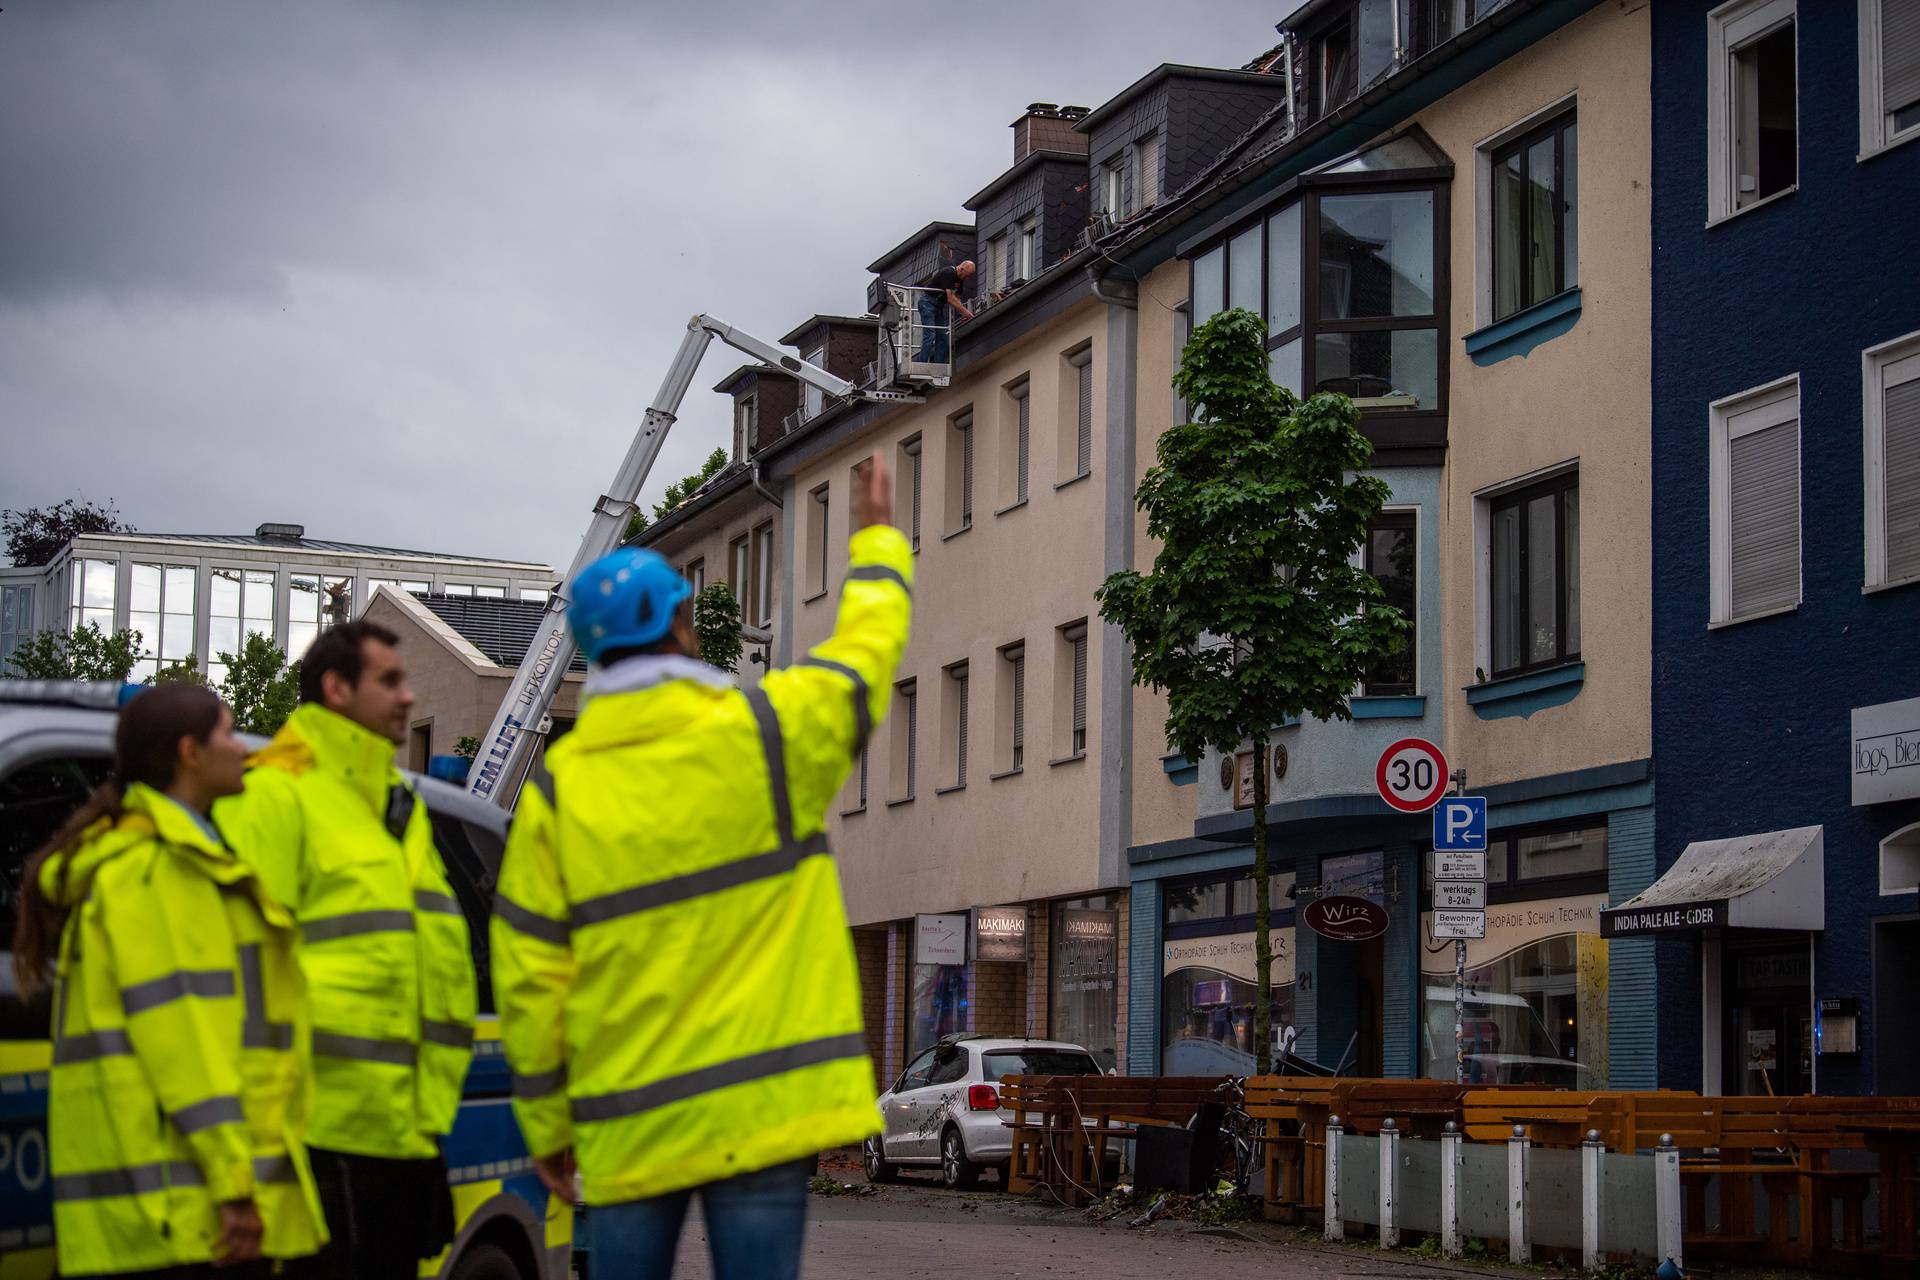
56	745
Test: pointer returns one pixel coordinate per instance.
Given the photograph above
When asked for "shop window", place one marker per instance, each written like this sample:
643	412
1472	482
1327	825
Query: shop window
939	1003
1535	1015
1083	1004
1207	983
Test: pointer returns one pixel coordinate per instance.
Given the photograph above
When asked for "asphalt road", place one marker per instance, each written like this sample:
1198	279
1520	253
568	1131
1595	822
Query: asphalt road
917	1230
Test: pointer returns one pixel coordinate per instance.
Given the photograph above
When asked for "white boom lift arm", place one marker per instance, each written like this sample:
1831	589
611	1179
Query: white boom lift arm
508	746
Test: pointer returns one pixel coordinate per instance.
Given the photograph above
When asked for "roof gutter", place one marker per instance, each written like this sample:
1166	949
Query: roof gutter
760	487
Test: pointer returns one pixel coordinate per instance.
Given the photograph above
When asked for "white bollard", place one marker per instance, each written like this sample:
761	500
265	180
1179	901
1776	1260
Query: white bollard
1335	1228
1450	1242
1389	1185
1666	1201
1519	1248
1592	1173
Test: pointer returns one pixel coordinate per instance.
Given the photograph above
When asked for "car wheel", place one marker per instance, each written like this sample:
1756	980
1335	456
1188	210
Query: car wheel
956	1171
485	1260
878	1170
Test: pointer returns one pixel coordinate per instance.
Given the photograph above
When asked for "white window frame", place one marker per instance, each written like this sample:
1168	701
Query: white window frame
1730	28
1027	238
1764	406
1874	125
813	398
1483	200
1113	189
1903	354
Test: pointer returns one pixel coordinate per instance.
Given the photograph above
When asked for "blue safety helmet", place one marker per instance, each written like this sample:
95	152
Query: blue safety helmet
625	600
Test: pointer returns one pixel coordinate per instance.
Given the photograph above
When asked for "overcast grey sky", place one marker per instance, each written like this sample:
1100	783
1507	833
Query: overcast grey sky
408	271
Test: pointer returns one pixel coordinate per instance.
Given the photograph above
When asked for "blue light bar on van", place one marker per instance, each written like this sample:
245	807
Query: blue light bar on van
92	695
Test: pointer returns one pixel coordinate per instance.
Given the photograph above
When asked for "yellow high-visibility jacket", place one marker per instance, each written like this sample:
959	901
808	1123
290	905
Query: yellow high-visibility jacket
383	943
177	1083
675	976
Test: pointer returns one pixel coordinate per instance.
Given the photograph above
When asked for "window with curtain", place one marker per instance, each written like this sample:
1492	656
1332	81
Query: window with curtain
1535	217
1534	575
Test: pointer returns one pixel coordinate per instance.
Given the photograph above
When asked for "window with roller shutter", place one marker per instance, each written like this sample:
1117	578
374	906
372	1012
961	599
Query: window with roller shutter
1755	492
1891	397
1889	73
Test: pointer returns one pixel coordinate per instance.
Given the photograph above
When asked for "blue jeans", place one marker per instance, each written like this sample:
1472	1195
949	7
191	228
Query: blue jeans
933	330
755	1223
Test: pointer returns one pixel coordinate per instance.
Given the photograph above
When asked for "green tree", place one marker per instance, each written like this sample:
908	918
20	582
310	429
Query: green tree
36	534
259	685
1255	610
716	619
466	746
677	492
83	654
185	671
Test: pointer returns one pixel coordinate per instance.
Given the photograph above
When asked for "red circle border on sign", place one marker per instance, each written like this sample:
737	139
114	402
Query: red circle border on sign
1440	764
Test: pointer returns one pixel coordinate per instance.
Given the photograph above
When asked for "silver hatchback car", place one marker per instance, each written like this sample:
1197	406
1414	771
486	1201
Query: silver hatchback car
944	1110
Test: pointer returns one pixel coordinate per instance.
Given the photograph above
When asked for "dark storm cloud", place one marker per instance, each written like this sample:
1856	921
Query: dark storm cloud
408	271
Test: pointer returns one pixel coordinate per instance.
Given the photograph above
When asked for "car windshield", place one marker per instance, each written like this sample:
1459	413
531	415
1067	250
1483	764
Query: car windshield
1040	1062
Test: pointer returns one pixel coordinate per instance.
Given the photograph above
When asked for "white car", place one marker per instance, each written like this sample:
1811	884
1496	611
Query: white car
944	1110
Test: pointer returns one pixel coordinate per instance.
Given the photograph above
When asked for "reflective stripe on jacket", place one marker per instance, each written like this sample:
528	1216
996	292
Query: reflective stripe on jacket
383	943
671	959
176	1080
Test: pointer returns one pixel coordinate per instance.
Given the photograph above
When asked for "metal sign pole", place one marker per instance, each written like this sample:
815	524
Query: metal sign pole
1459	976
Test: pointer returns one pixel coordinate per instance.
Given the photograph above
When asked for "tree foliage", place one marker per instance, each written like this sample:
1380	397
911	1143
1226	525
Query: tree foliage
677	492
87	653
259	685
1255	610
716	619
35	535
185	671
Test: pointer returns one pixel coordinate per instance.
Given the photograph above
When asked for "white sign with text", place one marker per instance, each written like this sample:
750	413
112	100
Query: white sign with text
1459	895
1885	758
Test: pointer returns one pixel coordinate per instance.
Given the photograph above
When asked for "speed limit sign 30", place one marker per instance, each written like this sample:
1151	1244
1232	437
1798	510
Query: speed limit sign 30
1411	775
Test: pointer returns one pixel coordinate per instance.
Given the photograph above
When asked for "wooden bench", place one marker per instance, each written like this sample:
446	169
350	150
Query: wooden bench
1293	1113
1065	1127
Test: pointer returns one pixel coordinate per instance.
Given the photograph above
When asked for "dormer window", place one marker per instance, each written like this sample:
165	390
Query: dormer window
1113	190
746	416
816	399
1027	246
1332	74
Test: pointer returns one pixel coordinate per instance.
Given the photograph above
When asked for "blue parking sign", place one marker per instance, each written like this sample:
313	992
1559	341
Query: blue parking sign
1460	824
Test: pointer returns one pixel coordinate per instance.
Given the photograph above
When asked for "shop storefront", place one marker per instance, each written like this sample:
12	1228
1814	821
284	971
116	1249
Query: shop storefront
1083	997
1208	984
1537	984
938	998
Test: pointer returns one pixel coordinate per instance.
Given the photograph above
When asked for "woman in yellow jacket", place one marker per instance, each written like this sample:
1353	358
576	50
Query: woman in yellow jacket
177	1098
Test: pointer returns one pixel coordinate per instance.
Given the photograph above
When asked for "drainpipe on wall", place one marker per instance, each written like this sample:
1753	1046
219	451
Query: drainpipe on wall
760	488
1121	298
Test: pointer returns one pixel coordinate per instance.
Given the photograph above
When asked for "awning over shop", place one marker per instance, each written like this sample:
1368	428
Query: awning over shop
1771	881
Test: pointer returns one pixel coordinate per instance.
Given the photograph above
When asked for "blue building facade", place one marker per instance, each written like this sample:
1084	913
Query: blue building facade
1786	533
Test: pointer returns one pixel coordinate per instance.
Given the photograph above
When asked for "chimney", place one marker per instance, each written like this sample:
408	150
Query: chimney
281	532
1045	127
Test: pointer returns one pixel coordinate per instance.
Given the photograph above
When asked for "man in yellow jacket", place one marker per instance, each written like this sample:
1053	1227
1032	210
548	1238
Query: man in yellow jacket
341	839
671	958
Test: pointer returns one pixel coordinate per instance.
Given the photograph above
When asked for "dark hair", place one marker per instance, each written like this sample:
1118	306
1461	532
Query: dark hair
340	649
146	749
667	644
